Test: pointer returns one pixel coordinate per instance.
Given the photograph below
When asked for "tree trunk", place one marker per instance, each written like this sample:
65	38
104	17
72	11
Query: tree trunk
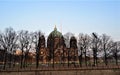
80	60
106	63
105	57
25	60
10	60
14	61
95	57
80	57
68	59
85	58
21	65
37	58
74	58
116	56
116	59
5	60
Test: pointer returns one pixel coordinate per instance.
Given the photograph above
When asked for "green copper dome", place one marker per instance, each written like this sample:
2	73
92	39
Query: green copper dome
55	33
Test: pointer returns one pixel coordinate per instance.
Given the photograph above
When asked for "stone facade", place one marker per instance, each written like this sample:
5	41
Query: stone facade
56	50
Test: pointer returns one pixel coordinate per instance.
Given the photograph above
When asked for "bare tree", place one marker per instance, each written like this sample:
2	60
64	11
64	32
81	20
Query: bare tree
23	44
8	40
106	46
115	51
67	37
28	46
36	40
95	44
1	47
84	44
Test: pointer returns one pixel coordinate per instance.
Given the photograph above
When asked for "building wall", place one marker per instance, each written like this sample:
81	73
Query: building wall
57	51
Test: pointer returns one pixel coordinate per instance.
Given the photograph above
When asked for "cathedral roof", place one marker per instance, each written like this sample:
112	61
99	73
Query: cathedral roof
55	33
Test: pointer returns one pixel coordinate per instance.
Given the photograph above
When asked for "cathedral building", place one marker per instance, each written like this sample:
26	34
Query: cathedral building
56	50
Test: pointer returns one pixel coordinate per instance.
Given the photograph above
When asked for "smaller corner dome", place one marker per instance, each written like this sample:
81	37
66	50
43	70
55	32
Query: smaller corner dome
55	33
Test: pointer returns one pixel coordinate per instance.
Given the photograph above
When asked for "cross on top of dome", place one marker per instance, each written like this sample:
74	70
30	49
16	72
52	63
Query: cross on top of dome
55	28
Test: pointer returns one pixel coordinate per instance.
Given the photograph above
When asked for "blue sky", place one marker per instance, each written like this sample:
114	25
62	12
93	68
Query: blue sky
76	16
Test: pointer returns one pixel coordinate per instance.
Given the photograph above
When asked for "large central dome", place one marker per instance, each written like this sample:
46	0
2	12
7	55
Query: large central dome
55	43
55	33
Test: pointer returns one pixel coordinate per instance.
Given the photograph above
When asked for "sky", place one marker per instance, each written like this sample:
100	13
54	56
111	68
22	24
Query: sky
76	16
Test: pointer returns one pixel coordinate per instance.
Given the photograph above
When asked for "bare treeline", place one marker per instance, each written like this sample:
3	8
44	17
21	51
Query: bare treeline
94	45
99	47
10	41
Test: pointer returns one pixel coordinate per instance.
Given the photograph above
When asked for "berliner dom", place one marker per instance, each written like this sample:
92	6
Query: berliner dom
55	50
